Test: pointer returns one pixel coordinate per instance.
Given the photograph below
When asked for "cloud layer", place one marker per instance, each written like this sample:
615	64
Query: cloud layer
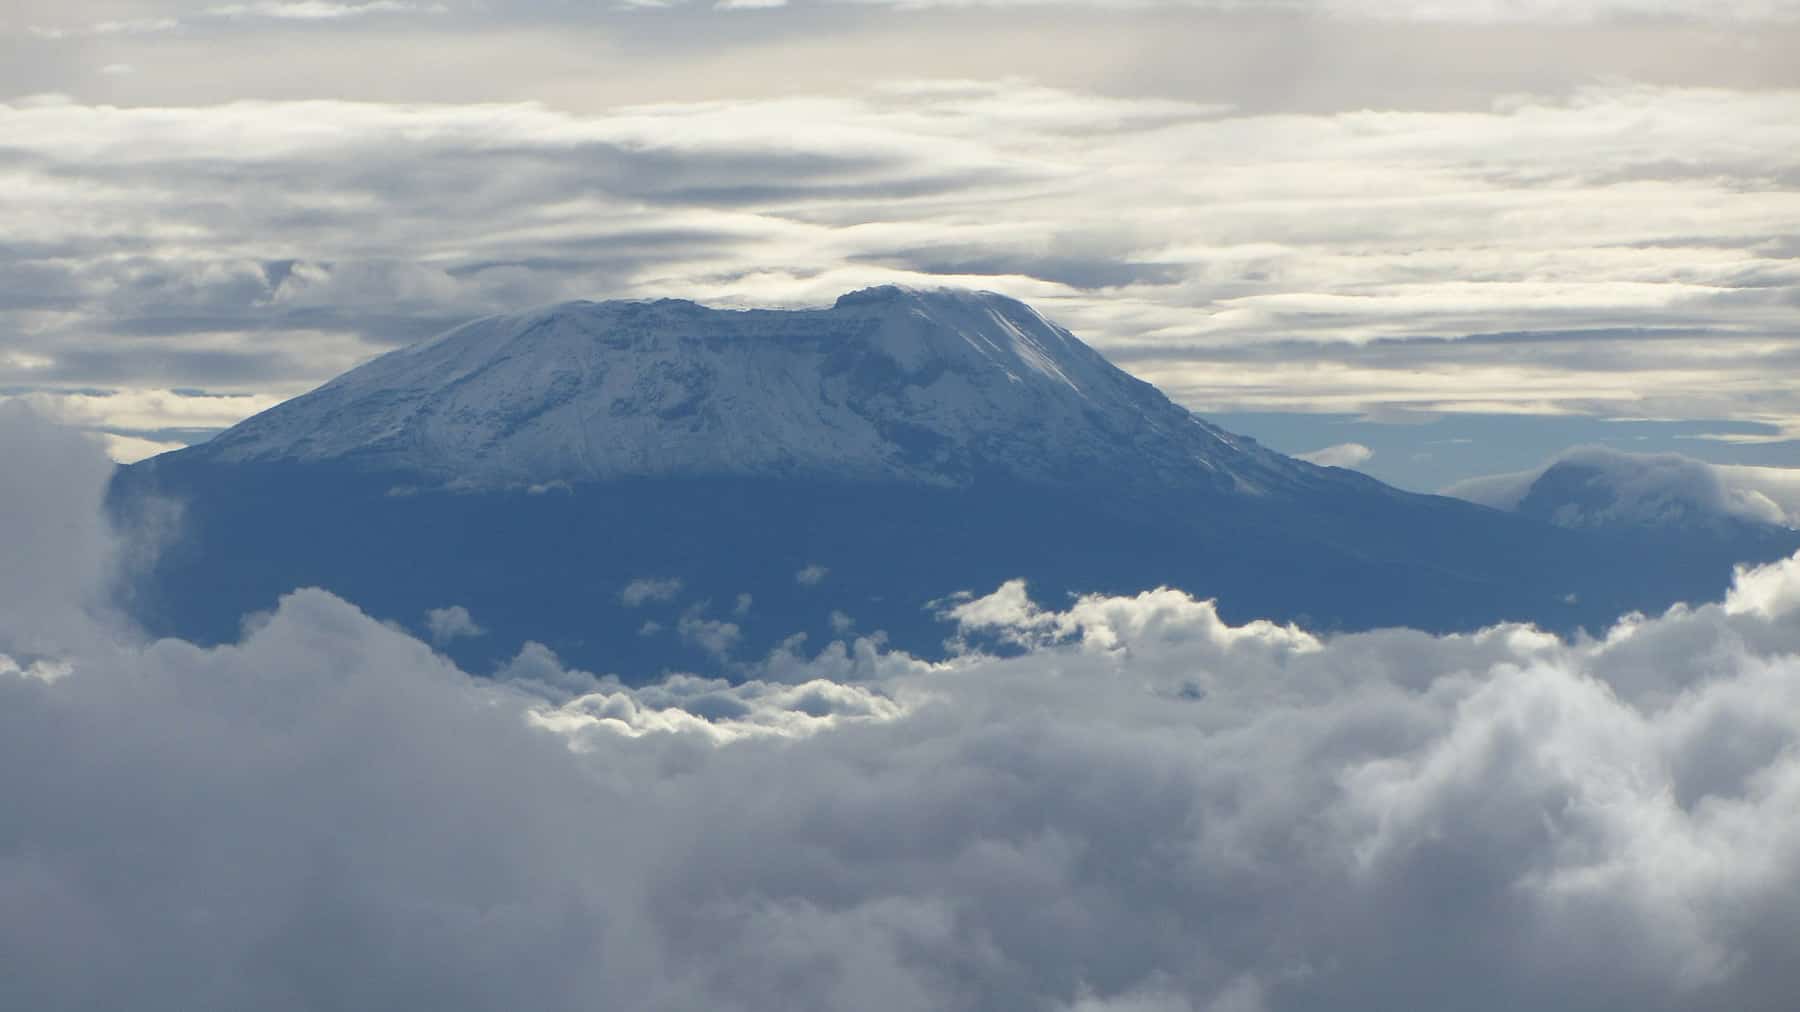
1139	806
1613	251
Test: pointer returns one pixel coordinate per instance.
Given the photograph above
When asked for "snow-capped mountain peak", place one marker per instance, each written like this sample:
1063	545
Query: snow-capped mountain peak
889	383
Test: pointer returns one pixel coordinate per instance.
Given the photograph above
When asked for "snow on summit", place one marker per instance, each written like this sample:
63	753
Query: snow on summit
888	383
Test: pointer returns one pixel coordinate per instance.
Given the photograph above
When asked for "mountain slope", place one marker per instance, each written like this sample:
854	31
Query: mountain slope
888	384
772	473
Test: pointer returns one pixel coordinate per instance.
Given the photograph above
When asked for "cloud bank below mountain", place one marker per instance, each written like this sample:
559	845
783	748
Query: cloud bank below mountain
1140	806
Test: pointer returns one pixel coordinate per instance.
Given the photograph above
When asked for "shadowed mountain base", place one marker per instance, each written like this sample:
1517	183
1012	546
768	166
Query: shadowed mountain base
551	566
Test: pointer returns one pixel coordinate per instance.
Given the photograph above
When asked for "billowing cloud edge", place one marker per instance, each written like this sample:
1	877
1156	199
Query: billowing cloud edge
1141	806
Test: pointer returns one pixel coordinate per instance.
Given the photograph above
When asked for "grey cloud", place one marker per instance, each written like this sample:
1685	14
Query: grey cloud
451	623
1329	258
141	365
1283	57
1144	808
56	553
1083	272
178	16
169	15
1578	349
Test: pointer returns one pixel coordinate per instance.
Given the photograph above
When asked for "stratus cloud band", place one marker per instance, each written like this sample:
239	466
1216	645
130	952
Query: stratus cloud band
1146	808
170	15
1616	253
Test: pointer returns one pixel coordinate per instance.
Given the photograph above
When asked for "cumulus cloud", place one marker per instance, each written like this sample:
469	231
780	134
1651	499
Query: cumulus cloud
715	636
645	589
57	555
1591	486
1139	806
452	623
811	575
1339	455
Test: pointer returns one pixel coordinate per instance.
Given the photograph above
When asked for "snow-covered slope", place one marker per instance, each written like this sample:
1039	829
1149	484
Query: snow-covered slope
889	383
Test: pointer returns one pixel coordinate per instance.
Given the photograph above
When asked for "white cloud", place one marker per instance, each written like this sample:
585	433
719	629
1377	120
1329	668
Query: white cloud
1339	455
452	623
715	636
650	588
1141	806
1771	591
320	10
141	409
1500	491
130	449
811	575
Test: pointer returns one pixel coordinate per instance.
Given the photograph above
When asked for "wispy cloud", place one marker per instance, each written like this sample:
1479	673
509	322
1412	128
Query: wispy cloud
1339	455
270	10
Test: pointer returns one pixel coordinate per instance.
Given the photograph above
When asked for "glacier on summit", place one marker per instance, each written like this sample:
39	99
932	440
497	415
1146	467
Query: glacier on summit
888	383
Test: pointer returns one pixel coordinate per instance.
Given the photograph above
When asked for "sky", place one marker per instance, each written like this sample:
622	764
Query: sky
1434	239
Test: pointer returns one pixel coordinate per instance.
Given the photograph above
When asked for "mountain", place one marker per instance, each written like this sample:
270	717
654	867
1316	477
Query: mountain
646	485
887	385
1599	487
